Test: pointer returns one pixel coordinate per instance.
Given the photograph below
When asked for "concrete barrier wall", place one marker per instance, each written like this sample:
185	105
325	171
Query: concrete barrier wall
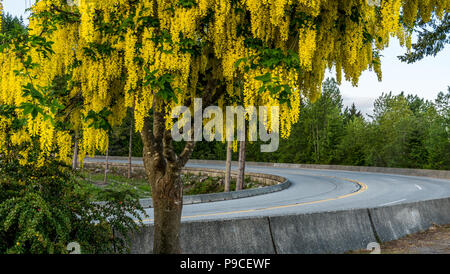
266	179
394	222
329	232
439	174
237	236
316	233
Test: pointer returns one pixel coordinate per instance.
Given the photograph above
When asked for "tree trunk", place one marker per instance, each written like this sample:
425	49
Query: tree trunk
228	166
318	144
241	176
163	169
105	180
130	147
75	153
167	195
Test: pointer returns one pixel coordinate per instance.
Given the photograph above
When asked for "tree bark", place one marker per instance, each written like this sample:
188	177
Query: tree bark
75	152
241	176
130	147
228	166
318	144
163	170
167	195
105	180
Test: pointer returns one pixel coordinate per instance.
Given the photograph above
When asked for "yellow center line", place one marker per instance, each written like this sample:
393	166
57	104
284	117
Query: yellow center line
363	188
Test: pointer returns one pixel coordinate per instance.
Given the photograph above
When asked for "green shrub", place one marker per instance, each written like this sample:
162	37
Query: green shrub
44	209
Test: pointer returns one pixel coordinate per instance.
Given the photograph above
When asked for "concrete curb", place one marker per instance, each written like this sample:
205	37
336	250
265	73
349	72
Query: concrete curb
216	197
275	184
315	233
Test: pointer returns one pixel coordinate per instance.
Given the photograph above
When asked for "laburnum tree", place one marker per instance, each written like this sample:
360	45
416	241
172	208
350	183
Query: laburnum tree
82	64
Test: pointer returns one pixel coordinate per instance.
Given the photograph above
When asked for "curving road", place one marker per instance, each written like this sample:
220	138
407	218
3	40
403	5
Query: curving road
319	190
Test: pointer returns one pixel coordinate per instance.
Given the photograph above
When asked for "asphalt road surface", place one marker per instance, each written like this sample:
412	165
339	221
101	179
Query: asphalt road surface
315	190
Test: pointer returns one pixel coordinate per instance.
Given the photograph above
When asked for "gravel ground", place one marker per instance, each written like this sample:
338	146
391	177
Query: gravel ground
435	240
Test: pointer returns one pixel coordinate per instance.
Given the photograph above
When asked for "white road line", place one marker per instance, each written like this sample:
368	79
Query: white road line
393	202
418	187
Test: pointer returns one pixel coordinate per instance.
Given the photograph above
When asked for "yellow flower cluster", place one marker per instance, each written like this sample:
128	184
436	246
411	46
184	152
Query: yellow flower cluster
235	146
10	85
194	44
307	46
65	146
5	124
93	140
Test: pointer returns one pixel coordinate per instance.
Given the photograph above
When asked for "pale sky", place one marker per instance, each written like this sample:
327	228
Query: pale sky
425	78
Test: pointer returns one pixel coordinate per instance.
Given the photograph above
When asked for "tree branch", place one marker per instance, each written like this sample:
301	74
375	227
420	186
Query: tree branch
169	152
186	154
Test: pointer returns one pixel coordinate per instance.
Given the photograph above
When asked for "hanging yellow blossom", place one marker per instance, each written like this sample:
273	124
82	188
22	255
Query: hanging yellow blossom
154	55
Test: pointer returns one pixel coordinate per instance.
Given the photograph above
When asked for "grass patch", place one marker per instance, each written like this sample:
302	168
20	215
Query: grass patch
94	184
